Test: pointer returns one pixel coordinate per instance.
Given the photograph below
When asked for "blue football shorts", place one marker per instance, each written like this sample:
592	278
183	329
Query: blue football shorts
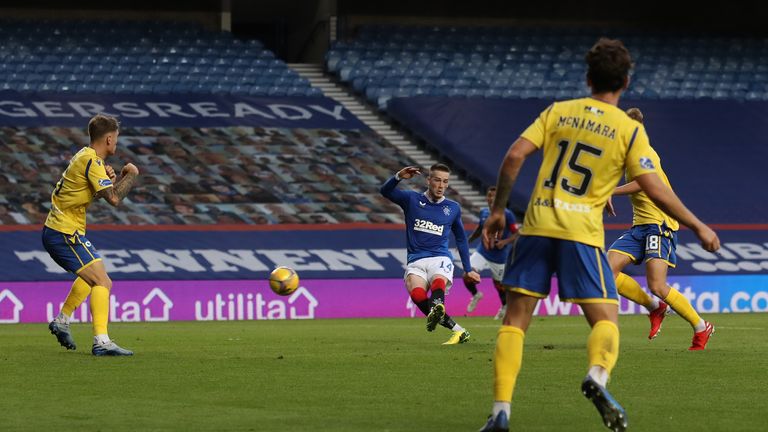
583	273
646	242
71	251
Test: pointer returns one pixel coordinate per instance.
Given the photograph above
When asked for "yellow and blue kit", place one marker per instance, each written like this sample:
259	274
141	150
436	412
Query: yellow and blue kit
653	233
64	230
587	144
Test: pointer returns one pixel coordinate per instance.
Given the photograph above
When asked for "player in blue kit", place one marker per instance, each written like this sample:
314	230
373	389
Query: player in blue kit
494	257
429	218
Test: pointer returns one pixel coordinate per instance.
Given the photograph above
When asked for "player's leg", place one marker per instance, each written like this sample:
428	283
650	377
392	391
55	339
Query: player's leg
79	291
503	298
508	355
526	279
627	286
627	249
656	272
585	277
478	263
440	279
501	293
459	334
630	247
71	255
415	283
602	354
438	315
96	276
439	273
603	342
59	327
497	274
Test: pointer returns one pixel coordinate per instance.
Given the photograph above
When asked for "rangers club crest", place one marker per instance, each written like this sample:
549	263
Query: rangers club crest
447	211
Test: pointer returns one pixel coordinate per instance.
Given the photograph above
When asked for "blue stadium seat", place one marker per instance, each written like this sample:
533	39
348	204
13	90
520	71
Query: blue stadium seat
545	64
162	88
239	89
313	91
257	90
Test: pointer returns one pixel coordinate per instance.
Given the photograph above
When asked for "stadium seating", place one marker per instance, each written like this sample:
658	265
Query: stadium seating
382	62
233	175
139	57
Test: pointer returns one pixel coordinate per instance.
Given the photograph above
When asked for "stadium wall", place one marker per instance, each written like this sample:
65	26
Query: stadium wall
219	272
712	151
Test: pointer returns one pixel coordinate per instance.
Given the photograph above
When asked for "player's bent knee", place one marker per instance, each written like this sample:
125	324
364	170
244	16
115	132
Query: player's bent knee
96	278
107	283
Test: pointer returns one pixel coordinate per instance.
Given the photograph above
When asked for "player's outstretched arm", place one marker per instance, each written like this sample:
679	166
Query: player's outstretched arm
628	188
510	169
667	200
625	189
115	194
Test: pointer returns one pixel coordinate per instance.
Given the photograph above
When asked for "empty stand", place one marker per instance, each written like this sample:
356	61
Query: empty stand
383	62
139	57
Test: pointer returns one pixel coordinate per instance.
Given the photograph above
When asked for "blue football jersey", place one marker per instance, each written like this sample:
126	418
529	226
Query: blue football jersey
494	255
428	224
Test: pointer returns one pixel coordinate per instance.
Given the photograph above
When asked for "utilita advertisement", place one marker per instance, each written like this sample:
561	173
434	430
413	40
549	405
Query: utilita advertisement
225	300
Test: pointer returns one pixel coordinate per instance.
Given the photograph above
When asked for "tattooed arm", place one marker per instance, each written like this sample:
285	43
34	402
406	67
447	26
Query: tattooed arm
115	194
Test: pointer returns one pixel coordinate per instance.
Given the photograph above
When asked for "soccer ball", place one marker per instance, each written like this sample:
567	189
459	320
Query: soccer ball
283	281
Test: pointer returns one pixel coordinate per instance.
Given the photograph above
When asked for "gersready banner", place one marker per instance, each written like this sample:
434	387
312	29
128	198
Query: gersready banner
227	300
331	253
210	110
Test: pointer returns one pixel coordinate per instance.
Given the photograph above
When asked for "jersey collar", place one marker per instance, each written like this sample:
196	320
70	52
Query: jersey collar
426	195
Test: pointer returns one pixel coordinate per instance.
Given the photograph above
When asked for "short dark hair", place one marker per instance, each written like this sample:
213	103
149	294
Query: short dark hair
491	189
440	167
608	65
100	125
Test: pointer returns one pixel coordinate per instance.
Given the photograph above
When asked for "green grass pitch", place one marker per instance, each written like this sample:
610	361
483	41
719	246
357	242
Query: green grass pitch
375	375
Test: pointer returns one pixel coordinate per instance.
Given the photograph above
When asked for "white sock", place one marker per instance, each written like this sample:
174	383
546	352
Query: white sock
654	304
599	374
101	339
499	406
701	326
457	328
62	318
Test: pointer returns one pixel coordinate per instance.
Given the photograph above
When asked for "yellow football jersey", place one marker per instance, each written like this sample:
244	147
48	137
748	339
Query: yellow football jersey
587	145
644	211
72	195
